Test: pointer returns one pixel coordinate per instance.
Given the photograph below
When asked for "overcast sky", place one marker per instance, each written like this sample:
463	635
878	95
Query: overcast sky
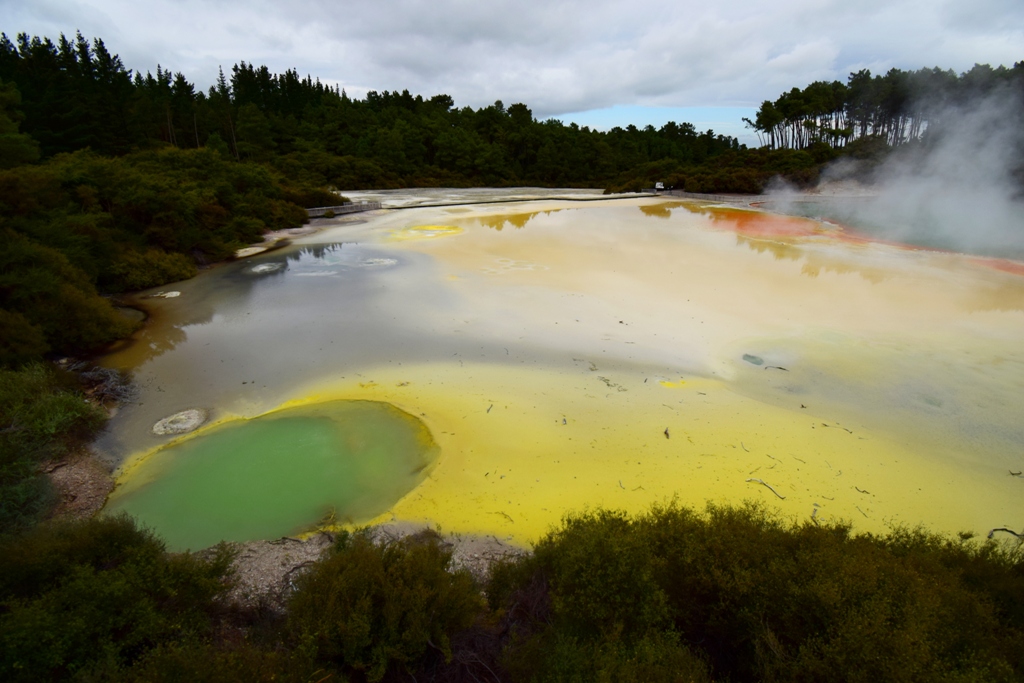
595	62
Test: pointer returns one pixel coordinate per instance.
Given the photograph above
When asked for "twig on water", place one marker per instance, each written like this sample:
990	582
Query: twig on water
1009	531
762	482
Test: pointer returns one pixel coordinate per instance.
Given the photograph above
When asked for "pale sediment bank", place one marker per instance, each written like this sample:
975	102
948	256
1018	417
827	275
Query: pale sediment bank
265	570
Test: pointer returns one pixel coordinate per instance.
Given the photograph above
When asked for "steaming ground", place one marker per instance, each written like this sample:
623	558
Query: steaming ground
626	353
959	189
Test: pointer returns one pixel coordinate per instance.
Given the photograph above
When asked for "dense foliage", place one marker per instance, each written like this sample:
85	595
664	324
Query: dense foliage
42	416
737	595
378	608
81	599
733	594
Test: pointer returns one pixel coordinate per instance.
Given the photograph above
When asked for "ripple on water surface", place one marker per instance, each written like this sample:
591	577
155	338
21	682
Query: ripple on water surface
277	474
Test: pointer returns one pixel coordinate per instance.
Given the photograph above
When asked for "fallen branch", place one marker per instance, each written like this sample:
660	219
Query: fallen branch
762	482
1009	531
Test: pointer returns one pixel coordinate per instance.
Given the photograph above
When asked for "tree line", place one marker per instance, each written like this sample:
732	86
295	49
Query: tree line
897	108
77	94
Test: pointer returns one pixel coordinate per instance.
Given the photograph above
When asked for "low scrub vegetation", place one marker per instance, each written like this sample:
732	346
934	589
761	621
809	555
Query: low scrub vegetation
43	414
741	596
86	599
728	594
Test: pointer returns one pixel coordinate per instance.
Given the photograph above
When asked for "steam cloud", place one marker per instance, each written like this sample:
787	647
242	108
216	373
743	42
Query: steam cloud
959	188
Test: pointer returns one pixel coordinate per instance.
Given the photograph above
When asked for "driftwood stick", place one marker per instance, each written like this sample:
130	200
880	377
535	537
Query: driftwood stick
1009	531
762	482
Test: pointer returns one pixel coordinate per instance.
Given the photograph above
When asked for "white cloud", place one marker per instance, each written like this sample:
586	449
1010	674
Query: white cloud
555	56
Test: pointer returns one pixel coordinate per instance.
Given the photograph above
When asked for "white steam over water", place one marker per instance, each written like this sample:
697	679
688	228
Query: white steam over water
959	189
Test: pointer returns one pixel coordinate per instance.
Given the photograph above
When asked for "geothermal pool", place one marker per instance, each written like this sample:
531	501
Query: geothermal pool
529	358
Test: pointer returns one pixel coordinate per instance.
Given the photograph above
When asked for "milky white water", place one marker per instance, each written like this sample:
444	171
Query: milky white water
566	354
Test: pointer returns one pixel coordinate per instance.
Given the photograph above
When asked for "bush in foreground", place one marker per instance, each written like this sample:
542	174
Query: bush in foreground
731	594
94	596
754	599
372	609
42	415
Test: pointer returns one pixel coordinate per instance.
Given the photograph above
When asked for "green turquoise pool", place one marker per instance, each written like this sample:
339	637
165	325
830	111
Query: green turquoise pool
278	474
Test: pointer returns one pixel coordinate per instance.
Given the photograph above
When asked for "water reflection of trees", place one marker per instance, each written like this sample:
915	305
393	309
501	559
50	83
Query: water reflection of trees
660	210
814	264
316	251
166	327
780	250
656	210
516	220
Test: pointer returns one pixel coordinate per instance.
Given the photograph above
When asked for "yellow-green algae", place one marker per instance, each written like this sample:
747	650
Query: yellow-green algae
277	474
522	447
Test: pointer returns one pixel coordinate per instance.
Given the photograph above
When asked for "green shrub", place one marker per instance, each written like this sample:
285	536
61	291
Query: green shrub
601	577
246	229
310	197
555	657
78	595
374	608
54	296
135	270
205	663
42	414
761	600
779	602
20	340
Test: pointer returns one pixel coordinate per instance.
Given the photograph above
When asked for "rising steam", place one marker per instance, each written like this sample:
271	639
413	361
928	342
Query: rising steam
958	188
